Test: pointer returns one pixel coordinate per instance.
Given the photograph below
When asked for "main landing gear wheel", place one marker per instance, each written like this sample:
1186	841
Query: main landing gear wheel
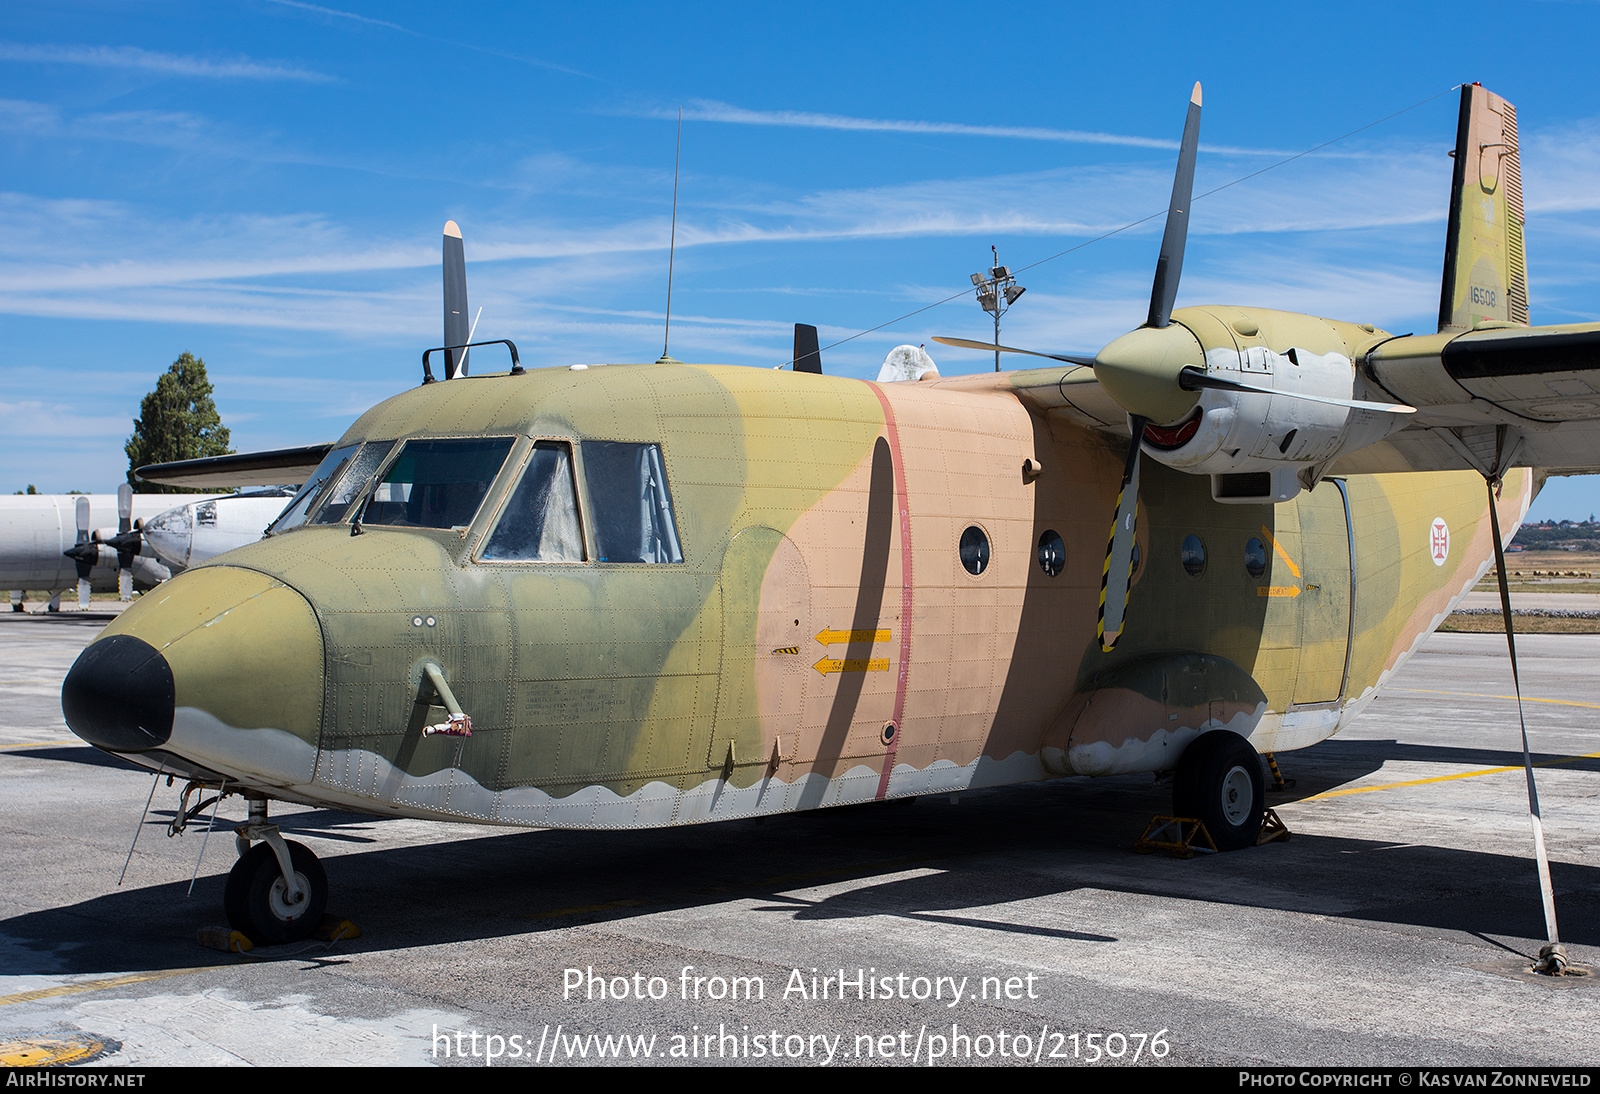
1219	781
258	901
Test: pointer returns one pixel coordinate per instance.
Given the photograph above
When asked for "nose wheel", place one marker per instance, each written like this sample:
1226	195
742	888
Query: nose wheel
277	891
1219	782
262	904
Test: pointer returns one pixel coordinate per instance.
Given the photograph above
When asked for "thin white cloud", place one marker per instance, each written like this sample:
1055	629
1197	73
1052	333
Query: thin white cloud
320	10
706	110
169	63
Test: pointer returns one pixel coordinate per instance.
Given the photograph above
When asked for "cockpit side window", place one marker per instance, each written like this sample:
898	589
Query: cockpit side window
335	505
540	522
294	514
630	502
436	483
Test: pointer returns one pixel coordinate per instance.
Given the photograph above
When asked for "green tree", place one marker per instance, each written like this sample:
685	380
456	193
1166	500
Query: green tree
177	421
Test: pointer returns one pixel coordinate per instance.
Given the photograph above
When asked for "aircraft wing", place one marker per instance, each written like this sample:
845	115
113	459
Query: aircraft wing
1070	391
279	467
1487	400
1509	396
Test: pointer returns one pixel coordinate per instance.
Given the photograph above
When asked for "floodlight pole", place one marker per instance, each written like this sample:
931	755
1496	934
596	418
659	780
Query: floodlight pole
996	293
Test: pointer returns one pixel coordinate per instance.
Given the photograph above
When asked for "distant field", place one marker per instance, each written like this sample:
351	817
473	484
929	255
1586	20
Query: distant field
1524	624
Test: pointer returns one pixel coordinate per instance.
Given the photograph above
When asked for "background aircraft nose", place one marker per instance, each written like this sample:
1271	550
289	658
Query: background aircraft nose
119	695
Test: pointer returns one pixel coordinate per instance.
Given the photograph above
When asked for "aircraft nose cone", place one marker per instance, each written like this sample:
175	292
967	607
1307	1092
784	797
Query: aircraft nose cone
120	695
221	667
169	535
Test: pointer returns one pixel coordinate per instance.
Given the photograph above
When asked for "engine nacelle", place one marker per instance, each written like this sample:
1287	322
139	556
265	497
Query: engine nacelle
1262	448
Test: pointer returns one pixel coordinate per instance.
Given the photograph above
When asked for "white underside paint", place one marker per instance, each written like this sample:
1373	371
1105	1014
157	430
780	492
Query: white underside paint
284	766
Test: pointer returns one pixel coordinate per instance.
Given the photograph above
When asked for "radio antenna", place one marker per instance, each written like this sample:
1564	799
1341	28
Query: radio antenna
672	246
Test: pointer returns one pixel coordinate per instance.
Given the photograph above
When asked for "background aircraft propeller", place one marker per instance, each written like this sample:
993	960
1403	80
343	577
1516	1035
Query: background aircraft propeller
83	553
126	542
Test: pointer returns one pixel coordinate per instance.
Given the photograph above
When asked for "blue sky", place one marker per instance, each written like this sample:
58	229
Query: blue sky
263	183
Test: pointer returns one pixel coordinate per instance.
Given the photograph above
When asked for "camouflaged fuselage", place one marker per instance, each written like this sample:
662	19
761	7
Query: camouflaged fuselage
821	642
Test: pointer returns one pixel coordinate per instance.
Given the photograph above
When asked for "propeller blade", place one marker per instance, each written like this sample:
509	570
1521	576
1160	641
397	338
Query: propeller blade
1118	572
807	357
967	343
455	301
126	542
1164	292
83	547
1192	379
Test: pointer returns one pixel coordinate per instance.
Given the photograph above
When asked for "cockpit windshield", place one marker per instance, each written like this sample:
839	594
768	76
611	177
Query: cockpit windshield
436	483
295	514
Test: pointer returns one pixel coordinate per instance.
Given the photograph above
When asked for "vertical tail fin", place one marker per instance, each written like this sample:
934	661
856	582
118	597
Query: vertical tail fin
1485	267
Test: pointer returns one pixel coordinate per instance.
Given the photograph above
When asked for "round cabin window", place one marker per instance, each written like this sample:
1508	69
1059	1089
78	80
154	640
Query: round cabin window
974	550
1194	555
1255	557
1052	553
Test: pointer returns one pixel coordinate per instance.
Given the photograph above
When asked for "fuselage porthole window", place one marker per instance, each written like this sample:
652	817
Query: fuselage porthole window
630	502
1255	557
973	550
540	521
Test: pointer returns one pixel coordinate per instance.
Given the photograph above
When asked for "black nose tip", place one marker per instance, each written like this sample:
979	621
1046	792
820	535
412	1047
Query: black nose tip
119	695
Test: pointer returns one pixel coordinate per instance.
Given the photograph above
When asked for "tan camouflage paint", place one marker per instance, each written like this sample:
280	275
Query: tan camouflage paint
653	682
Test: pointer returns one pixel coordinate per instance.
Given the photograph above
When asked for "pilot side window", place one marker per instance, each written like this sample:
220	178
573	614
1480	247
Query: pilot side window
436	483
629	503
540	522
294	514
335	507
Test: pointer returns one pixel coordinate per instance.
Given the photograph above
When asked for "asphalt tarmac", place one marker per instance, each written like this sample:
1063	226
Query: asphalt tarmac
1008	926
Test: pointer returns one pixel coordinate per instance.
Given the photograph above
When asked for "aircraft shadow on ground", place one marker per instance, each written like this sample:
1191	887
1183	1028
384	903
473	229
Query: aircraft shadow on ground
967	867
76	754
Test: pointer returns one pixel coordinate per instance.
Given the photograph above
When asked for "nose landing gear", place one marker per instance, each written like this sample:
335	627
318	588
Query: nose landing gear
277	891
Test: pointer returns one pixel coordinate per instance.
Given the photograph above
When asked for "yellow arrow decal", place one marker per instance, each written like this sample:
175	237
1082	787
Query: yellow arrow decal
854	664
830	637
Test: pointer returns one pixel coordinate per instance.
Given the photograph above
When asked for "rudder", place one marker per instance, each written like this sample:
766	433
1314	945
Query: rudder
1485	266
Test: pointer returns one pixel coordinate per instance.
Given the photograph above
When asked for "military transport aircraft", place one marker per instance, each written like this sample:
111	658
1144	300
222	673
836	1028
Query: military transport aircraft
657	594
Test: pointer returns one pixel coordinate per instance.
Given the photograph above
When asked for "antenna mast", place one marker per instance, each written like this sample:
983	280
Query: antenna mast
672	247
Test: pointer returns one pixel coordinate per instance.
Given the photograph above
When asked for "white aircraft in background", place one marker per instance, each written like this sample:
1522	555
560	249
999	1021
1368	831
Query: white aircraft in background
120	541
38	530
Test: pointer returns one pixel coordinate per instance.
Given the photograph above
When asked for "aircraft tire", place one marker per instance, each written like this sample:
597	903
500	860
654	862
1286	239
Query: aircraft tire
255	896
1219	781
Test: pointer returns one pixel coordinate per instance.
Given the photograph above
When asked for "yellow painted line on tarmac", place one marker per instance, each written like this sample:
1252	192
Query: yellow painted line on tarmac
1513	698
1446	778
44	744
99	985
